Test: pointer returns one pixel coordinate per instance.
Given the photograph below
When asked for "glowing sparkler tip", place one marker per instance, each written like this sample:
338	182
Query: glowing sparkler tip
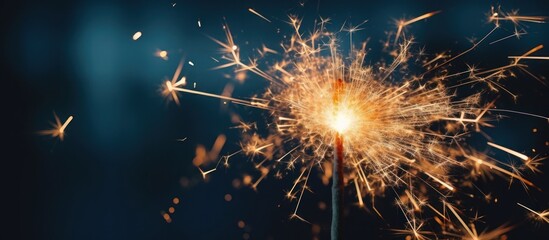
342	121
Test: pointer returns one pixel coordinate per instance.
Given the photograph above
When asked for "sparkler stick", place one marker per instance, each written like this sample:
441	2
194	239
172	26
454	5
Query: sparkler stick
337	176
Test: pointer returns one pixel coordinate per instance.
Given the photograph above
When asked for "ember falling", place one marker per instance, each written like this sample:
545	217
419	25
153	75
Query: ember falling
439	110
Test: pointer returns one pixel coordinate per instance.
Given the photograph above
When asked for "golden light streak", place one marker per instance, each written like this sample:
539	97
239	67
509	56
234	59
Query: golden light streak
58	130
510	151
437	212
358	194
516	18
499	169
62	128
412	200
543	216
516	34
264	172
168	90
402	23
463	224
259	15
523	56
475	45
258	149
531	57
295	215
205	173
290	194
443	183
171	88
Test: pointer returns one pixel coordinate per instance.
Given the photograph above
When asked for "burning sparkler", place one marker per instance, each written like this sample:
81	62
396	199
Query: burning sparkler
401	131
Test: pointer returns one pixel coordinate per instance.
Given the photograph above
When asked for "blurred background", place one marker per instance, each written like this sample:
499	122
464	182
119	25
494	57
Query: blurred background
120	166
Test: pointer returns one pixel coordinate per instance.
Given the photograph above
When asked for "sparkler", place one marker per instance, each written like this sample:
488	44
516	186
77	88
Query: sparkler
401	131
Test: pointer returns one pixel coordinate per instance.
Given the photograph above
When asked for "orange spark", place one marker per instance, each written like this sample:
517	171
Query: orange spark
58	129
259	15
402	23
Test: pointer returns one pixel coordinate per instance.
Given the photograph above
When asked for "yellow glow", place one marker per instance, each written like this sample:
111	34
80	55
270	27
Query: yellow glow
163	54
342	121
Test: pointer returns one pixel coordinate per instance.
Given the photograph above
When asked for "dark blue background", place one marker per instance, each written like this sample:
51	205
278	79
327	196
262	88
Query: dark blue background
120	165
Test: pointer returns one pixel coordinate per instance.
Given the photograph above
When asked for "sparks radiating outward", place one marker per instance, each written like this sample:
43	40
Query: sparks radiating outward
404	132
58	130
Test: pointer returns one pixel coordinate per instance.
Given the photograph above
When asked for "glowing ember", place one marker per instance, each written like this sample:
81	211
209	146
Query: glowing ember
136	36
162	54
